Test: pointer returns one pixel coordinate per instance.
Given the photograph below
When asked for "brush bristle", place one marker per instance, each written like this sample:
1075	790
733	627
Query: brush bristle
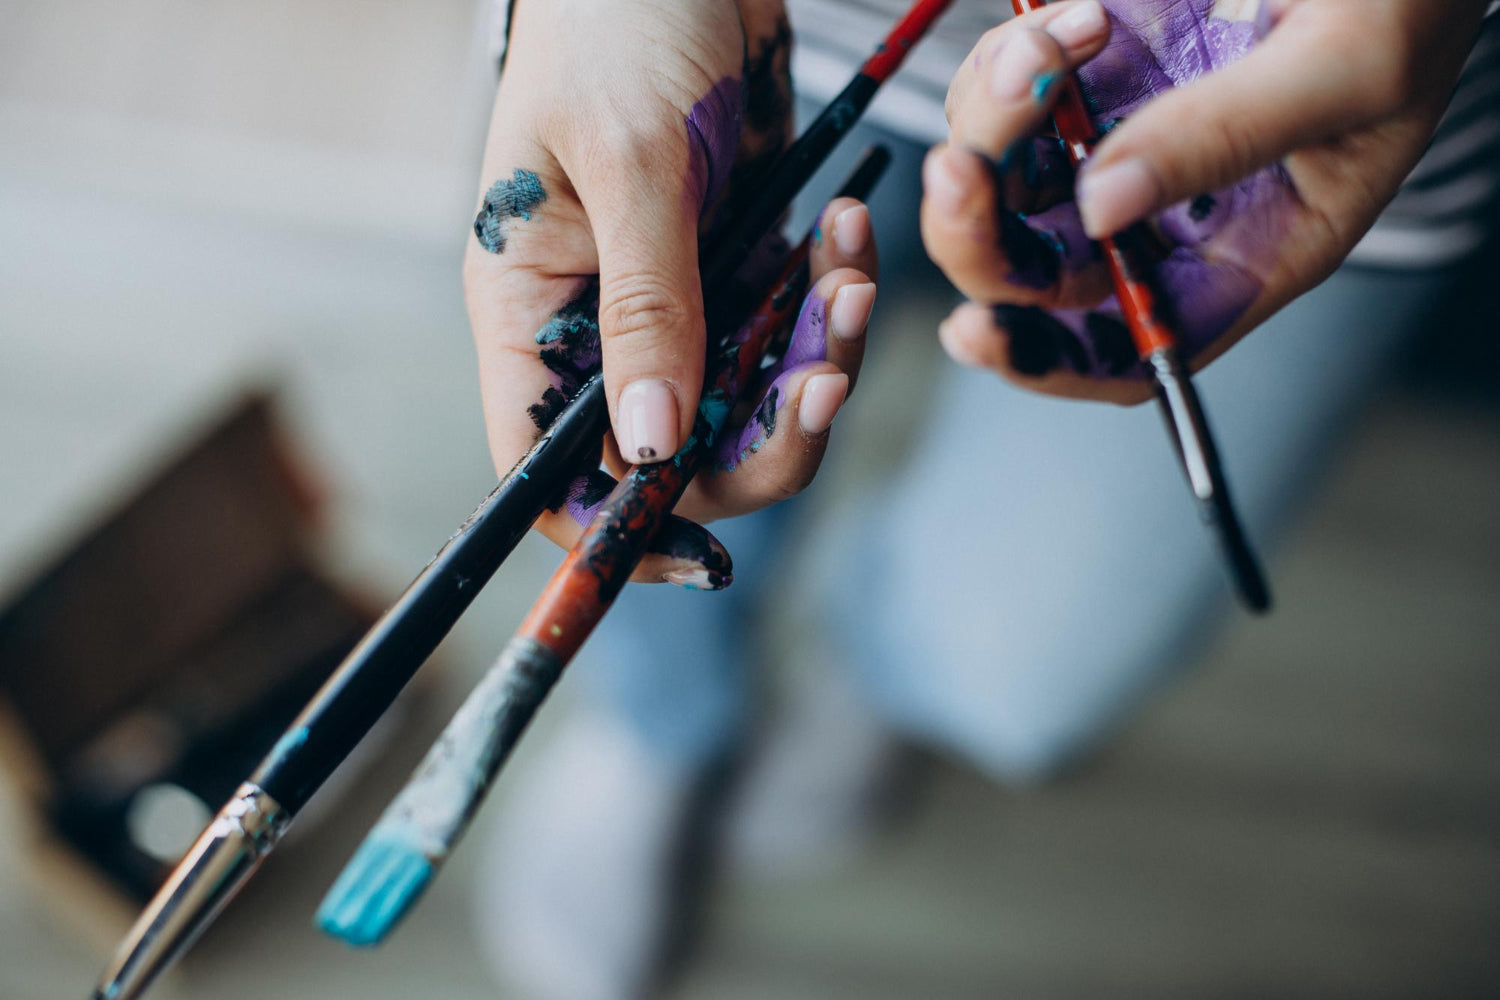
374	891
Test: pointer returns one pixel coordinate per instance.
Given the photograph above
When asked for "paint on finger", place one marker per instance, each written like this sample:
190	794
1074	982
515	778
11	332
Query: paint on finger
704	563
713	128
570	350
1035	255
1038	340
514	198
808	344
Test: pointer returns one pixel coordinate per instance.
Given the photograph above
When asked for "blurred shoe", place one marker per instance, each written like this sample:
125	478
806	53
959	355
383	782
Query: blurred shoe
579	896
826	777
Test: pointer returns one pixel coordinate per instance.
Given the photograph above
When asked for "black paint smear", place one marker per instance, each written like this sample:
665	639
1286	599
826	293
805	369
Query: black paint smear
589	485
1039	341
765	414
767	100
596	486
572	355
681	539
548	409
1202	207
768	108
1035	261
1113	345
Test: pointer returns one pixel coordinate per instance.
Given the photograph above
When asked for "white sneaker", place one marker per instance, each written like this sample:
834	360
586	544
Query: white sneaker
576	897
825	777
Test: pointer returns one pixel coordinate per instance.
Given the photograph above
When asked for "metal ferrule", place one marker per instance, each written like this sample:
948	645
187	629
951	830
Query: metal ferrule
224	856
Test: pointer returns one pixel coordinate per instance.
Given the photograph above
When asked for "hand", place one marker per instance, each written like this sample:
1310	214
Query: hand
1260	141
620	131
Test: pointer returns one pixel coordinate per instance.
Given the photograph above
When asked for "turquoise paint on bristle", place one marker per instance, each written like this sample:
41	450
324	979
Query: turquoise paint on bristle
376	888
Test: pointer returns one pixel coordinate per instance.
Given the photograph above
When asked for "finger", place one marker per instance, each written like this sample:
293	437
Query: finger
824	342
777	454
1076	353
1294	88
1008	95
992	254
844	237
650	299
1072	23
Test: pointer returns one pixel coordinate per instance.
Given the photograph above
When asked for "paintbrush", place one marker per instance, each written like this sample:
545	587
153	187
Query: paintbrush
249	826
1158	347
424	823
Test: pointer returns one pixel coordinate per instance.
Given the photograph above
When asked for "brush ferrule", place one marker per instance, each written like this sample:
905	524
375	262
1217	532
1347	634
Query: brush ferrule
224	856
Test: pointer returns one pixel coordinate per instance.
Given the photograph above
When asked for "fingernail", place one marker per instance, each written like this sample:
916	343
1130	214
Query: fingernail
1021	62
1080	25
698	578
648	421
821	398
850	311
943	183
1113	197
851	230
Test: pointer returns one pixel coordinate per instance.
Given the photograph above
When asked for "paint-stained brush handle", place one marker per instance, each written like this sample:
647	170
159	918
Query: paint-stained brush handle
426	820
1158	347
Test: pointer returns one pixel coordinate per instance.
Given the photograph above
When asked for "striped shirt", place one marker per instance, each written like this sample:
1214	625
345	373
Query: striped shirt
1445	208
1444	211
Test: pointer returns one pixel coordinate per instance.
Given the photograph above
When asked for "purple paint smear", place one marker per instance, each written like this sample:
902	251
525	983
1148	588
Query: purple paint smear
1219	247
714	127
808	345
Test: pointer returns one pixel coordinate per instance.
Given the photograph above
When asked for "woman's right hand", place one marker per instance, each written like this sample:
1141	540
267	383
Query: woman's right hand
620	131
1258	139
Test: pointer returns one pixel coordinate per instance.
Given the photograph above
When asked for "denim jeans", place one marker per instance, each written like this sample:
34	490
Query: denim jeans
1036	567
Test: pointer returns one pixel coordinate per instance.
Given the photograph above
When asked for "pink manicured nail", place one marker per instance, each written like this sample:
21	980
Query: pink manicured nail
821	398
648	421
1080	25
850	311
851	230
1113	197
943	184
1021	61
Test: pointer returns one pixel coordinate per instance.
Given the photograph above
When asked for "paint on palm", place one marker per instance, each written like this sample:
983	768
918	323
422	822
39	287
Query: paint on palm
764	126
1210	253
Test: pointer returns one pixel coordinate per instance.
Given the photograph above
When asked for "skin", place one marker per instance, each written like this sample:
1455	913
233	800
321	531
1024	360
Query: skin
604	104
1264	139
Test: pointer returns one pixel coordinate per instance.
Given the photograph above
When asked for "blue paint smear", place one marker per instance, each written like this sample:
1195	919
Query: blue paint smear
376	888
505	200
1042	86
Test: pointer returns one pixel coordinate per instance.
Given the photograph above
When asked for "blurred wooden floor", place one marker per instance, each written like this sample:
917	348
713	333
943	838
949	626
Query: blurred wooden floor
1315	812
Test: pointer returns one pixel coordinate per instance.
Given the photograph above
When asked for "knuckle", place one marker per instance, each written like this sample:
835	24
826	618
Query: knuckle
640	306
1237	144
632	143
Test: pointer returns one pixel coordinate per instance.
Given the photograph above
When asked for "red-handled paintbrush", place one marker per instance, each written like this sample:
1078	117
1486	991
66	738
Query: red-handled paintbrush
1158	348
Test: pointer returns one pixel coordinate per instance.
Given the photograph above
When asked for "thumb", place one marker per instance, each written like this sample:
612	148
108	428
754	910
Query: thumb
650	299
1286	93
